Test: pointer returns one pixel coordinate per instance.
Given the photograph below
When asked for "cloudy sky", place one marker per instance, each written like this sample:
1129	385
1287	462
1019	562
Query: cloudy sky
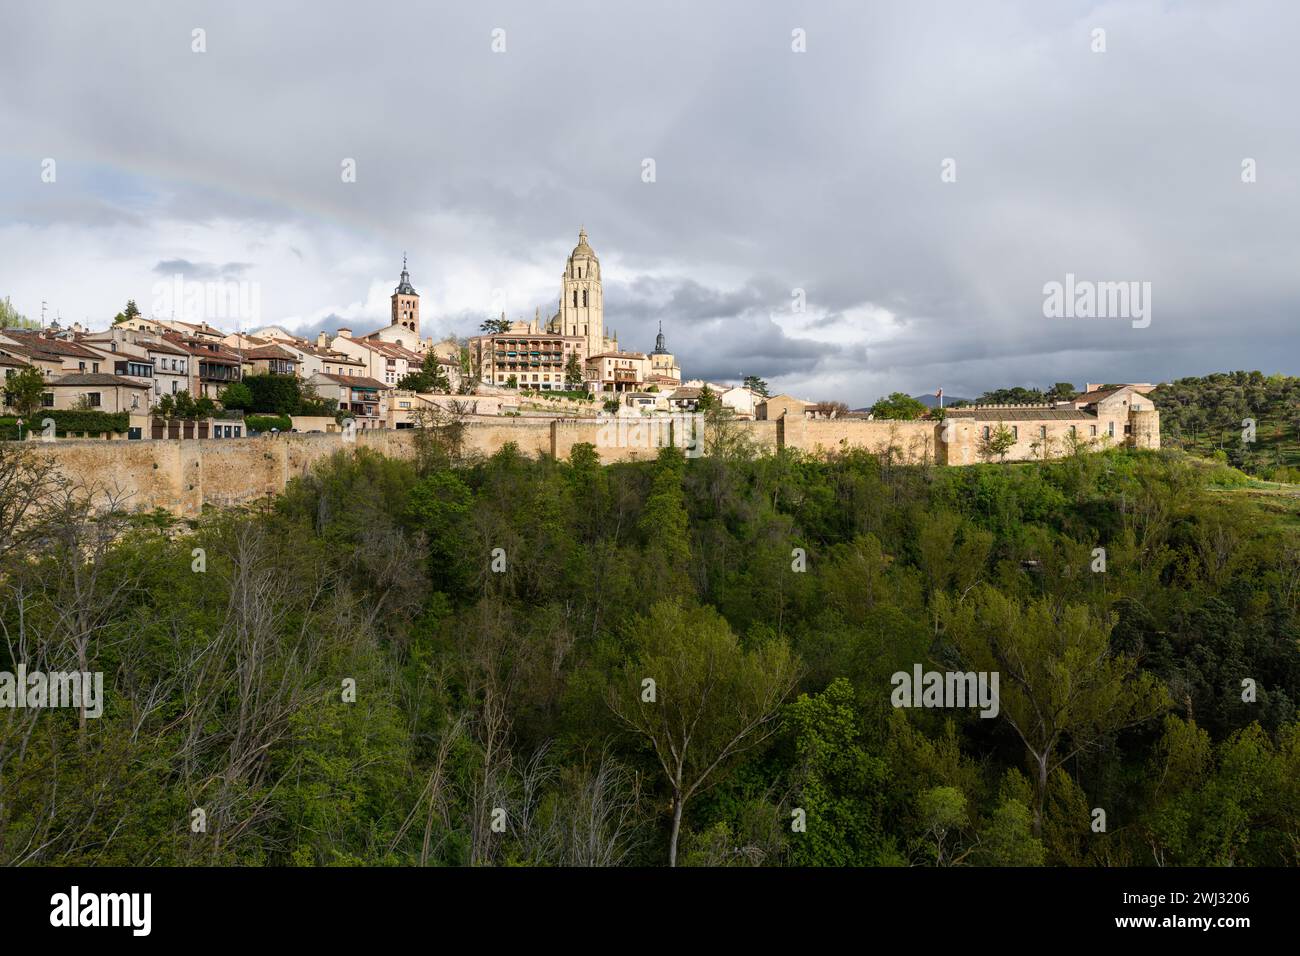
774	171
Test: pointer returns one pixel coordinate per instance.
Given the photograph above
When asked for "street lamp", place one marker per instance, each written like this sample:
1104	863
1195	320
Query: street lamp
20	429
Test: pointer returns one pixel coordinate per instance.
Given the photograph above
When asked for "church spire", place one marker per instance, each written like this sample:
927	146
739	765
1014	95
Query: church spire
404	287
660	347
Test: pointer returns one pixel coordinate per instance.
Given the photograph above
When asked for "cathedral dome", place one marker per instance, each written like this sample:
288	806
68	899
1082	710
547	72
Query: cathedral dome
582	248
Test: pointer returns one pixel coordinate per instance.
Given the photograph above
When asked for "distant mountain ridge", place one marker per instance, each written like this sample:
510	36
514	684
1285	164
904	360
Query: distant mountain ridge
929	400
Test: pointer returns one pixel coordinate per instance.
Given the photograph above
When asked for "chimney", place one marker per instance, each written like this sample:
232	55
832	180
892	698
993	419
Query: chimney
345	333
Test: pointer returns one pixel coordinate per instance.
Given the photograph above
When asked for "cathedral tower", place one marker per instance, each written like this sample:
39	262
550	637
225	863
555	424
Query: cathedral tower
581	310
406	303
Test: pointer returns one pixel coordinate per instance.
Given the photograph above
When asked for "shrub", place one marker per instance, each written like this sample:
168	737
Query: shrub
68	421
264	423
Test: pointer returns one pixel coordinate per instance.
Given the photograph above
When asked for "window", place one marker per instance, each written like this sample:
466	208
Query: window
1015	433
986	431
1074	431
1042	431
1110	429
584	296
47	399
95	367
92	399
1092	431
81	366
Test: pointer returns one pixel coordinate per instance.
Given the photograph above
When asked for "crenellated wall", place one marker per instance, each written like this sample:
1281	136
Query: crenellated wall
183	475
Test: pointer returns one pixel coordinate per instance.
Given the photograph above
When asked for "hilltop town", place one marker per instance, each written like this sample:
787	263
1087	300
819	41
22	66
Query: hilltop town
150	377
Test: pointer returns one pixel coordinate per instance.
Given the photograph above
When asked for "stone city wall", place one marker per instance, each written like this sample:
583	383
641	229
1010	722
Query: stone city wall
183	475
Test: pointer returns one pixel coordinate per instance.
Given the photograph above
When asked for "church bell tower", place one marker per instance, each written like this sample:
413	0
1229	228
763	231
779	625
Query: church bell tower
406	303
582	311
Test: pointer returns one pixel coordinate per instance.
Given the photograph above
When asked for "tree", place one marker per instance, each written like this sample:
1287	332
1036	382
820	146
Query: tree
756	385
828	409
237	396
840	785
708	400
495	326
1062	688
24	391
899	405
470	371
430	377
130	312
1012	396
1061	392
11	318
573	372
709	702
997	443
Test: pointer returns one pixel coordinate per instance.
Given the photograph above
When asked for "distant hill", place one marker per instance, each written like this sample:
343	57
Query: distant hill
929	401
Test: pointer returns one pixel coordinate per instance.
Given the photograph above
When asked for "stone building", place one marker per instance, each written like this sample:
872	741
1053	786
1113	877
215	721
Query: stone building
1102	417
617	371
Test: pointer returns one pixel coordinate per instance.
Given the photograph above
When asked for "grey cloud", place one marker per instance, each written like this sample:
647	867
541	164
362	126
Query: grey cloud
775	170
201	270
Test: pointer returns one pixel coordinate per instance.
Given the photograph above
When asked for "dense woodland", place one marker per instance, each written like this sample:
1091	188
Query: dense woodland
1207	416
500	618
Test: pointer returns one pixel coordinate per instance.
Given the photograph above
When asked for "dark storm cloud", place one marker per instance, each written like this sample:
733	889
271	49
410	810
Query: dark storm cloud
775	171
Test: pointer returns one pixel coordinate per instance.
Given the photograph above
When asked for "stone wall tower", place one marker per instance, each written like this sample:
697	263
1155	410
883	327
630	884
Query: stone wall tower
406	303
582	311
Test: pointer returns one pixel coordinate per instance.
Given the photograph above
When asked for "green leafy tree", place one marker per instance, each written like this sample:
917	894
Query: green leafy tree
839	784
997	443
1012	396
1062	688
756	385
430	377
469	371
184	405
573	372
710	701
495	326
130	312
11	318
1061	392
236	396
24	390
708	400
899	406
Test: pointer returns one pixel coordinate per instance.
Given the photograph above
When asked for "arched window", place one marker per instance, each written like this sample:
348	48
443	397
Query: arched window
584	296
575	298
